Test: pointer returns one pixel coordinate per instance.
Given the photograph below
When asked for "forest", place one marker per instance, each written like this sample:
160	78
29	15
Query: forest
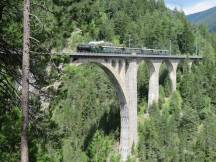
74	112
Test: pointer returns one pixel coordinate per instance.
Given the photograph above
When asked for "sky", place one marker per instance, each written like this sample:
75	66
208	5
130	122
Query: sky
190	6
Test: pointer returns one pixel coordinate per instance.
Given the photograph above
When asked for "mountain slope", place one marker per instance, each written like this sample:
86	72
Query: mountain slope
206	17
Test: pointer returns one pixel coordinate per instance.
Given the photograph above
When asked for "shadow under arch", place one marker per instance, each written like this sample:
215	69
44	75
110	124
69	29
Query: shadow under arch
113	78
168	75
142	85
165	85
116	81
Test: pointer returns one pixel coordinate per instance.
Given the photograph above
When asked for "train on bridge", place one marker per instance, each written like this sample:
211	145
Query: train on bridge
106	47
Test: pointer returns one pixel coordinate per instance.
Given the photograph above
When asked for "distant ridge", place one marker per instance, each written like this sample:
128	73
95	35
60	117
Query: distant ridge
207	17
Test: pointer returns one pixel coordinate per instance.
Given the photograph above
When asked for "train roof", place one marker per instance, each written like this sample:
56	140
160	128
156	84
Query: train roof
110	45
100	43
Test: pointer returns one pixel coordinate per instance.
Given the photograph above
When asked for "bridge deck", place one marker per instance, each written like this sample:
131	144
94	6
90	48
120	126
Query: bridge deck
136	56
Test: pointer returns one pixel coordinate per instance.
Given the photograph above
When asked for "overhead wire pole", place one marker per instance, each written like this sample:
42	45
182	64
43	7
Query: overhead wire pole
196	41
129	41
170	46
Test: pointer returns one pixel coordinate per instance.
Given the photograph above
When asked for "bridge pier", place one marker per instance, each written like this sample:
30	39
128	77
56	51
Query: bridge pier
131	93
172	66
190	63
153	93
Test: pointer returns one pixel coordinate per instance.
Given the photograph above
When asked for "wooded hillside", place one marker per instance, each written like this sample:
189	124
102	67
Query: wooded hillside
205	18
74	112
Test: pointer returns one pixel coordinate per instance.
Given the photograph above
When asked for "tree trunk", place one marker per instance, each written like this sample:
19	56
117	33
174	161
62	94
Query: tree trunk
25	84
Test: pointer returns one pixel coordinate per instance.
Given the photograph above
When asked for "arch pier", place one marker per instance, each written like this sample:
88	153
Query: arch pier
122	71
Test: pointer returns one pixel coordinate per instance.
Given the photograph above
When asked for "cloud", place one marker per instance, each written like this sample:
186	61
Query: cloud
201	6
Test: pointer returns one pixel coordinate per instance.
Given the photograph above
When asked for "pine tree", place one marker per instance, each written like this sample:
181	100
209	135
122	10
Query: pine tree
25	84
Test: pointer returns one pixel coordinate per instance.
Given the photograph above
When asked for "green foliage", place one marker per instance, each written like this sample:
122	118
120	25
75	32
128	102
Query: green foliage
82	123
186	40
165	82
142	80
83	104
100	147
159	134
9	134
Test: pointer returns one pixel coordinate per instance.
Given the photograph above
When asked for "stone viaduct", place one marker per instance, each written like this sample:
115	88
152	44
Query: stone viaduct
122	71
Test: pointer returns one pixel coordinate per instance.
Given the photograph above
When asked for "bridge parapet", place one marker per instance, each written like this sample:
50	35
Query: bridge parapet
134	56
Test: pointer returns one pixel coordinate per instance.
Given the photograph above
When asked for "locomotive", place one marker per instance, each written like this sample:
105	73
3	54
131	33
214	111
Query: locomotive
107	47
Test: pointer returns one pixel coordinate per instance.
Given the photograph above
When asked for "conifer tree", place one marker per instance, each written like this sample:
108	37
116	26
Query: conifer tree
25	82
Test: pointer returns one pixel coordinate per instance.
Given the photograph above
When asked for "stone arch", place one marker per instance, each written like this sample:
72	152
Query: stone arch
115	76
172	65
142	80
108	66
154	66
153	92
